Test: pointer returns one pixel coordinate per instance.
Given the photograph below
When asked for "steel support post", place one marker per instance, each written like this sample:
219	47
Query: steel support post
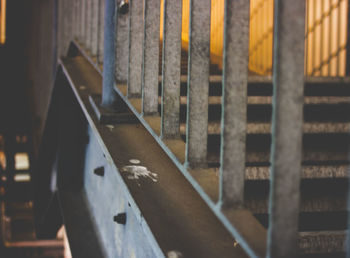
94	27
82	21
171	69
150	63
287	121
60	29
100	31
122	42
108	93
88	24
198	83
234	105
135	48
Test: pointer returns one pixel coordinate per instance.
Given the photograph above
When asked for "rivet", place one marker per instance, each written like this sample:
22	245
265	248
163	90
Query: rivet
100	171
120	218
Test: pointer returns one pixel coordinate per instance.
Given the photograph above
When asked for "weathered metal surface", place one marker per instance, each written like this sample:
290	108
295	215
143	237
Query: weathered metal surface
101	22
108	94
171	69
82	21
347	68
135	48
234	107
76	21
142	198
122	43
287	120
88	24
94	27
198	83
60	29
150	63
65	21
71	144
248	232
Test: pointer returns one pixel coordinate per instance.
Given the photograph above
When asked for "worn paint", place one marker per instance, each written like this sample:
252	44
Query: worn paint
136	172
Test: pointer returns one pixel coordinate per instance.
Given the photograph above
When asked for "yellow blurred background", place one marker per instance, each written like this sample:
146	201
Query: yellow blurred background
325	35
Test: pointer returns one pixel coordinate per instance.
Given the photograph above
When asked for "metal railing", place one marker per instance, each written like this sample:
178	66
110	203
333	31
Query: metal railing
124	39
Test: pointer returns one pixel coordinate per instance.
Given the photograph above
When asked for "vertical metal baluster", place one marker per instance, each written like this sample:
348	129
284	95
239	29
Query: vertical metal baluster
347	61
307	17
322	25
60	29
287	121
108	93
76	19
66	25
150	63
330	39
171	69
94	27
72	6
338	59
82	21
88	24
135	48
70	14
234	105
198	83
101	30
122	42
314	39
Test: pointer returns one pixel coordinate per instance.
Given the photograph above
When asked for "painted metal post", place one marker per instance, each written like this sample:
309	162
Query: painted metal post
60	29
234	105
82	21
108	93
122	42
150	64
94	27
101	23
88	24
135	48
76	18
67	25
347	73
171	69
347	68
198	83
287	121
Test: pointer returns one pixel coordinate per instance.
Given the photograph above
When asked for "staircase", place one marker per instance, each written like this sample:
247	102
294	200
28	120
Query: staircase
324	183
